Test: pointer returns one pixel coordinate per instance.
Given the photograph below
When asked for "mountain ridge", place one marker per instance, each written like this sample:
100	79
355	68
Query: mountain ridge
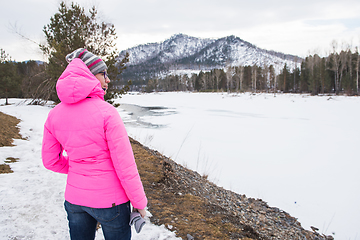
183	52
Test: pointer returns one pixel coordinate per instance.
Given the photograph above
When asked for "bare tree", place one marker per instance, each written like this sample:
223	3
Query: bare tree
343	64
266	74
275	82
336	62
294	72
217	76
350	62
357	70
253	78
241	77
229	76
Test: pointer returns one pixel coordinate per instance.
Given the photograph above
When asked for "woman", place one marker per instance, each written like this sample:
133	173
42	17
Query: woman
85	138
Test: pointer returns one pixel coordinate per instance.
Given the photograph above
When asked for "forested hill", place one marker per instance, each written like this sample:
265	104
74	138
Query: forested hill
186	54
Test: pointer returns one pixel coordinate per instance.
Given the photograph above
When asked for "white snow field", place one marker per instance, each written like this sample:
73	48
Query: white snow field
297	152
32	197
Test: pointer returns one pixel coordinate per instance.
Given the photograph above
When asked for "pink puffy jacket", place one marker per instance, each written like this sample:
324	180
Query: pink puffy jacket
99	160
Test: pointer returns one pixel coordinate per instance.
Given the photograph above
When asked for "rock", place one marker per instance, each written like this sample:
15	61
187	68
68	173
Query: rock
314	228
189	237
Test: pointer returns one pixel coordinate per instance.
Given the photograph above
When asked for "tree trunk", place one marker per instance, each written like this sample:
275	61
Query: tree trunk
6	97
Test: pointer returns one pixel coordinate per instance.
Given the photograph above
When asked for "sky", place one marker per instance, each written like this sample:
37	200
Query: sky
292	27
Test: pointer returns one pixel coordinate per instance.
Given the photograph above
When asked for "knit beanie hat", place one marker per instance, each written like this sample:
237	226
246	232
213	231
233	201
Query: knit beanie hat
93	62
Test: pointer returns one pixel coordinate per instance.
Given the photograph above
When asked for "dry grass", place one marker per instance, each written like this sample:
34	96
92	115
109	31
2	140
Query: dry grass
11	160
8	129
4	168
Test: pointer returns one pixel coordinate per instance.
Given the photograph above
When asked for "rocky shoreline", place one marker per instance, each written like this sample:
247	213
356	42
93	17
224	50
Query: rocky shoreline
253	218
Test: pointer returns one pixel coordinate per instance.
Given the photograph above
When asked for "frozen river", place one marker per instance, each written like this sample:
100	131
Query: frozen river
296	152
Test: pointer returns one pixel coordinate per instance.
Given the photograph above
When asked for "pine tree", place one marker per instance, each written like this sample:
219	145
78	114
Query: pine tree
72	28
284	79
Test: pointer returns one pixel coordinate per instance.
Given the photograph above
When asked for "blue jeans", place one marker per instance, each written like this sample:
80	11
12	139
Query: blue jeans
114	221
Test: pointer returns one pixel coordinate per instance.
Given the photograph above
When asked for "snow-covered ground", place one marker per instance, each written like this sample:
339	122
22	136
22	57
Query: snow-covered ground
32	197
297	152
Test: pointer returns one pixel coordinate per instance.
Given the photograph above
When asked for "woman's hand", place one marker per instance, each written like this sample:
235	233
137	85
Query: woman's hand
142	212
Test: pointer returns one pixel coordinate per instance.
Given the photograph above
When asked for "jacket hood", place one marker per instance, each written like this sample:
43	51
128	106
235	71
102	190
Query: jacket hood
77	82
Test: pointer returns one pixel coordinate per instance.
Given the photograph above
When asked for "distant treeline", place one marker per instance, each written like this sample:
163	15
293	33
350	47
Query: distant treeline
20	79
336	73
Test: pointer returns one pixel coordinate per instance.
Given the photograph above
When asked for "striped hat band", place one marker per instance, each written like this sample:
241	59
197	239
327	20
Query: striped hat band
93	62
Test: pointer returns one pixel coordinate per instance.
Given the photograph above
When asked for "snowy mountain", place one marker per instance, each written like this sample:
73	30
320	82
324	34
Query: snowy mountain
189	54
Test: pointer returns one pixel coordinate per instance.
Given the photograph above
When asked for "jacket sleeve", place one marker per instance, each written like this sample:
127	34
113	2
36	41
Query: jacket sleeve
52	154
123	159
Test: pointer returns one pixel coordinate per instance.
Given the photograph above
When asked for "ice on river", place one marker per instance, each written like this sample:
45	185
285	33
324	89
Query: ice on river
296	152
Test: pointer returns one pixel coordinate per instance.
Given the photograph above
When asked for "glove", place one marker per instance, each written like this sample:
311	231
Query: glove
137	221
